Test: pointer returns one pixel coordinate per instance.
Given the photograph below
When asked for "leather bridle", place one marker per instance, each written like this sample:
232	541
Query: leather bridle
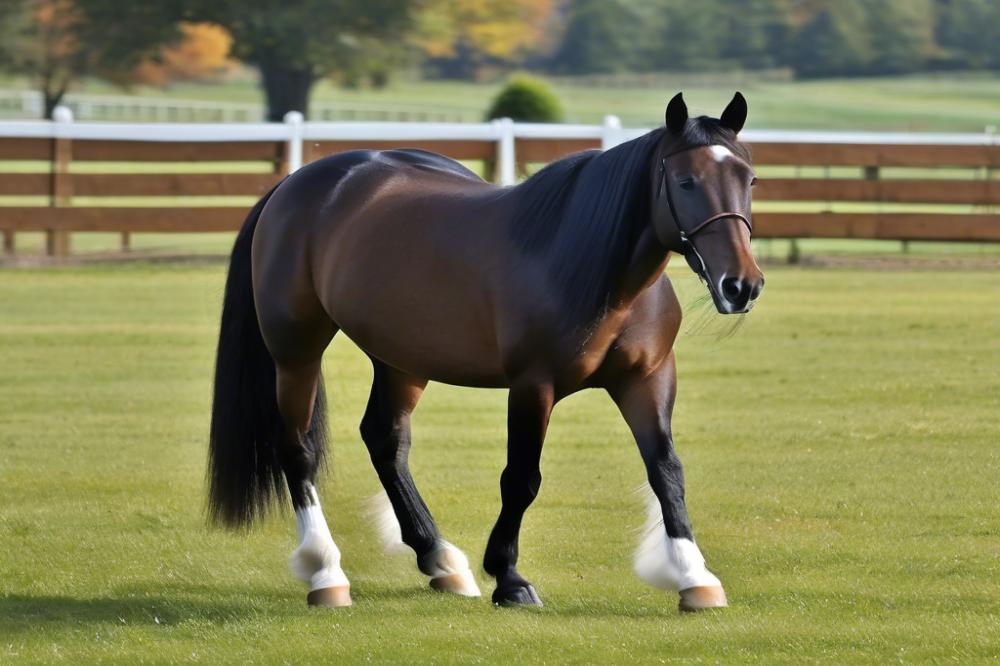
690	252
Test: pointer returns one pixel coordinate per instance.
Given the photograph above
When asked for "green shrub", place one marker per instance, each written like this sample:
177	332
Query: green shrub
526	99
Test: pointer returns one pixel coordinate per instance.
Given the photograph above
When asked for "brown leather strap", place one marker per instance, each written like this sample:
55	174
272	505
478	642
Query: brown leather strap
718	216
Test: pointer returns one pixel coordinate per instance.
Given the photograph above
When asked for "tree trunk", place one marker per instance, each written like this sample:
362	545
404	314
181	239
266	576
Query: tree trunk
287	89
52	100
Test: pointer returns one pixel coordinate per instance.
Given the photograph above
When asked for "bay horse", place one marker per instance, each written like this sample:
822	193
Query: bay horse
544	288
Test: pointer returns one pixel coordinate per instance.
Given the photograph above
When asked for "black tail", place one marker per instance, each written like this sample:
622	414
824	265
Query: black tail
245	472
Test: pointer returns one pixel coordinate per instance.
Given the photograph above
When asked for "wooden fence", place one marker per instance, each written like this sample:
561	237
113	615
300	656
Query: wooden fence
59	165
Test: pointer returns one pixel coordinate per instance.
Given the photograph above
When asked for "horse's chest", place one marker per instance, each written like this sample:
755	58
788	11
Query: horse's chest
592	354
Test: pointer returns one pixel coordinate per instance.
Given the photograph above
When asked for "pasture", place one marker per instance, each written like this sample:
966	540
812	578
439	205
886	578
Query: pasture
946	102
840	449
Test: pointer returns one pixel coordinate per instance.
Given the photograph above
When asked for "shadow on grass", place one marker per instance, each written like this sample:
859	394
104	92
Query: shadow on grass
170	605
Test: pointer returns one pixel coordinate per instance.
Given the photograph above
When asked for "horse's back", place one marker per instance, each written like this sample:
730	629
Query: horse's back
402	250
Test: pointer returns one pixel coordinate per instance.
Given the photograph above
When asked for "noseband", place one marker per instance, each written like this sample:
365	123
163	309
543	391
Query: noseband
690	252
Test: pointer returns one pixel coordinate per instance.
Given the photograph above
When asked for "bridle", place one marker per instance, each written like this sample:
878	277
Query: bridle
690	252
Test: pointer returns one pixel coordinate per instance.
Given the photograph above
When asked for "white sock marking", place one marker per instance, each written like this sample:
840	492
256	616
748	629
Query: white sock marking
317	559
380	512
446	560
669	564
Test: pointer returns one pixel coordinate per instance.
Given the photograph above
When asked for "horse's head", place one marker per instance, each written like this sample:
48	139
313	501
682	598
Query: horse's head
701	204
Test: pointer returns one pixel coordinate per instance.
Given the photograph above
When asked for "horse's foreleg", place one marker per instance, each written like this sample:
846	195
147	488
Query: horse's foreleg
385	429
527	420
668	556
316	561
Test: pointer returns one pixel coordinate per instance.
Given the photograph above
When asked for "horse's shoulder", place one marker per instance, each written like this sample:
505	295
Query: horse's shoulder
650	329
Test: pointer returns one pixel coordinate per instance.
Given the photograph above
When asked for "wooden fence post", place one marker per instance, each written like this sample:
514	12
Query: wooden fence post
872	173
57	243
9	245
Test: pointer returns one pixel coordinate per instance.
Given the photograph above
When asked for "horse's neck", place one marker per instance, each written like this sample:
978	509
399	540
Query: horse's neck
644	267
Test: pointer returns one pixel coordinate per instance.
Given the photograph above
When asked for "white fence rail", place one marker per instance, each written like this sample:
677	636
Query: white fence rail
137	108
296	131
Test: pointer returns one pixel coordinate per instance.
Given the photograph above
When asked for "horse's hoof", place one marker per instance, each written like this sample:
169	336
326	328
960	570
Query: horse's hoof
519	595
462	583
330	597
701	598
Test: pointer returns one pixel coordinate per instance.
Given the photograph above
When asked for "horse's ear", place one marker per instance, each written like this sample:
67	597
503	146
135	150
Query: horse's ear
735	114
677	114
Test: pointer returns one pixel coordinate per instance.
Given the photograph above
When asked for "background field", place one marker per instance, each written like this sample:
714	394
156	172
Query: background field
841	454
949	102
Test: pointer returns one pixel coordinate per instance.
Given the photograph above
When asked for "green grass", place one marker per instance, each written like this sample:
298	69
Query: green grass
941	102
841	456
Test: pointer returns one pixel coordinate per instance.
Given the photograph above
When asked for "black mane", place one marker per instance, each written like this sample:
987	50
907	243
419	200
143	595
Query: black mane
586	211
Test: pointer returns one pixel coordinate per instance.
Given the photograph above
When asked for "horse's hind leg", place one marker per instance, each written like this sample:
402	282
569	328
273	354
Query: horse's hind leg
668	556
385	429
297	347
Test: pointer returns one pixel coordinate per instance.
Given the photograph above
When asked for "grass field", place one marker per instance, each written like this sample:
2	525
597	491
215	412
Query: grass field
841	455
927	102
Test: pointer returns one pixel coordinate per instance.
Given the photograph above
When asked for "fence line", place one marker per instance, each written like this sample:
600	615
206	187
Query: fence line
505	146
121	108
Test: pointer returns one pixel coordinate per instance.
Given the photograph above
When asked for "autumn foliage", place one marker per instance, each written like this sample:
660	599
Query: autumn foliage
498	29
201	54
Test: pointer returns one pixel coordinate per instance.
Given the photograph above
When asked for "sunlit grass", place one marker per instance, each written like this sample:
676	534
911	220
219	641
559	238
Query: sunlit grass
841	456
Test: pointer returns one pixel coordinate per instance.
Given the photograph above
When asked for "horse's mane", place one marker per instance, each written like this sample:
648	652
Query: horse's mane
586	211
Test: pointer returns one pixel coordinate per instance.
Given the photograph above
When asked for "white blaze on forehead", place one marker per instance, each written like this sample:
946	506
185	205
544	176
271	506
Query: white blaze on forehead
720	152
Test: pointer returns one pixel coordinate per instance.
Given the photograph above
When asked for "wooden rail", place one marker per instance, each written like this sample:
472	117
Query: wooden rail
248	167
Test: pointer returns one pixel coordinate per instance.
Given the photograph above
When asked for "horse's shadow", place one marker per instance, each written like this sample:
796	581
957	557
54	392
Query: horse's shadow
177	603
139	606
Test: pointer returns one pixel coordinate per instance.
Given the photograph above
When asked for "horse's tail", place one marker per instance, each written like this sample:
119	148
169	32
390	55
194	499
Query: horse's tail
245	473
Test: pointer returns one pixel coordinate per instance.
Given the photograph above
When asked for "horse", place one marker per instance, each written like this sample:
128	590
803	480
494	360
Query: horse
544	288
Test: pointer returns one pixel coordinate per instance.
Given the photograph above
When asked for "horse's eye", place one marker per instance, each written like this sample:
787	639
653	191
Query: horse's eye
753	181
686	184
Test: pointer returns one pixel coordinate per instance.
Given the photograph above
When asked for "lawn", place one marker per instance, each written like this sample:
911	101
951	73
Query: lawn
948	102
840	448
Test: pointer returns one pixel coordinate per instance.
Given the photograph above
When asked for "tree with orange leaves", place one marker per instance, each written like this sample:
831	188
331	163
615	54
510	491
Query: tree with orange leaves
55	42
475	31
202	53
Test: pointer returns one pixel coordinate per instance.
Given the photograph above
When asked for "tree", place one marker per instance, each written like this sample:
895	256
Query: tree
831	43
756	32
901	35
597	40
201	53
464	34
41	40
294	43
55	42
691	37
969	32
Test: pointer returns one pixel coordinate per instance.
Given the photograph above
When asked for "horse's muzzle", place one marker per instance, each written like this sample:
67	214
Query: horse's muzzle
738	295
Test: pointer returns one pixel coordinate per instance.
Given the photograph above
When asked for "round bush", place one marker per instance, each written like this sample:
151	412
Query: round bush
526	99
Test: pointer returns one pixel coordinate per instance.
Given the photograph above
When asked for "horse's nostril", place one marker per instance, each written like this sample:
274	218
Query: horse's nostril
732	289
755	290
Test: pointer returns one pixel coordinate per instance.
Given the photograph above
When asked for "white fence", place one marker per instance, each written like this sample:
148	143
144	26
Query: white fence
504	132
138	108
880	177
